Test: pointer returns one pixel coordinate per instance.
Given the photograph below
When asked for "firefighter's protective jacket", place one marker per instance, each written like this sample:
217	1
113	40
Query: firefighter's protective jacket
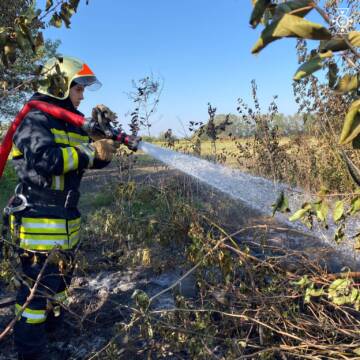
50	156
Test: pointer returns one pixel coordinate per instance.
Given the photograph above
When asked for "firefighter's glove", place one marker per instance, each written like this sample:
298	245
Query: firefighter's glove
101	118
104	112
132	142
104	149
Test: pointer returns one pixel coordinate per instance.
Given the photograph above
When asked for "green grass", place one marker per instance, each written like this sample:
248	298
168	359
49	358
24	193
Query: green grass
92	201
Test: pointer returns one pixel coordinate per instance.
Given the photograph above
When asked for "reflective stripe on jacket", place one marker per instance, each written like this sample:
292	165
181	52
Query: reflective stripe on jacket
32	316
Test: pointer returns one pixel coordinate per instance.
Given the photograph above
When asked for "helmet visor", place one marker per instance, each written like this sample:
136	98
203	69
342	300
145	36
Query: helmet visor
90	82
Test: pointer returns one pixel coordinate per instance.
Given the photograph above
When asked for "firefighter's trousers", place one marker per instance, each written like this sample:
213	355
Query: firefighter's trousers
44	310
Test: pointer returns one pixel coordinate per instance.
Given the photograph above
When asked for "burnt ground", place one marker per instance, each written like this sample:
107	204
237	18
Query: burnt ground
103	294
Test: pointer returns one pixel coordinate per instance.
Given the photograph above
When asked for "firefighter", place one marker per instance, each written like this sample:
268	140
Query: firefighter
50	156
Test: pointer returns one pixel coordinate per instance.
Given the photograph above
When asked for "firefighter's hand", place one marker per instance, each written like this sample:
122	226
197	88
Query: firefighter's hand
132	142
104	149
103	113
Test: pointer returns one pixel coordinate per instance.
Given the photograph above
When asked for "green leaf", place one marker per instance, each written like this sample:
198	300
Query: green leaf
354	38
357	242
347	83
56	20
351	127
150	332
141	298
302	282
322	210
10	52
339	43
49	4
22	40
341	292
335	44
353	170
3	37
338	211
339	234
23	27
291	26
66	12
258	12
281	204
311	292
314	64
4	85
296	7
357	351
74	4
333	74
323	191
66	18
39	41
338	285
355	205
301	213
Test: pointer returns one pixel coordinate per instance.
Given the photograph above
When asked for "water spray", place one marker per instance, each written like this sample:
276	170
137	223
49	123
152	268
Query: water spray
256	192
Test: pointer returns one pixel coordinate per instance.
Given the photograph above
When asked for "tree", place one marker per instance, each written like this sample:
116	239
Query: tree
286	19
23	69
22	48
337	52
145	95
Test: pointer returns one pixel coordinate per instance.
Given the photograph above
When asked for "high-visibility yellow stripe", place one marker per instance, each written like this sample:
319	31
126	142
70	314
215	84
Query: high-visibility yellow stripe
12	222
32	316
57	132
44	237
74	225
50	222
42	247
64	140
58	182
72	231
44	234
89	151
69	138
70	158
65	159
77	139
43	242
60	136
74	221
43	229
74	238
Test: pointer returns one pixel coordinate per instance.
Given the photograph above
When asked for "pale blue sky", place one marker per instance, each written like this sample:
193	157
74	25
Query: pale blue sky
201	48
